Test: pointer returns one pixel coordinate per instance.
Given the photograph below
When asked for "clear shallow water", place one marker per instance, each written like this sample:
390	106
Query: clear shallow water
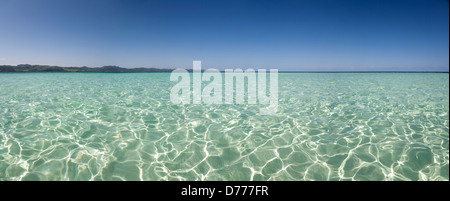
329	126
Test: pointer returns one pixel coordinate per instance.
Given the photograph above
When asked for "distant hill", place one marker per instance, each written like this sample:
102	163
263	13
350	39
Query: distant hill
46	68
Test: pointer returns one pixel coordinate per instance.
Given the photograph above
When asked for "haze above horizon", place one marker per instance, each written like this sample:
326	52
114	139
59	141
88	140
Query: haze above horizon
323	35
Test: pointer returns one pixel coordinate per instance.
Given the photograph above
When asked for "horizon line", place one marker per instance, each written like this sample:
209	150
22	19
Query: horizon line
280	71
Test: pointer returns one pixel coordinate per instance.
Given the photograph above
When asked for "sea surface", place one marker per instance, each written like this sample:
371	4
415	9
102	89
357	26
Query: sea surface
122	126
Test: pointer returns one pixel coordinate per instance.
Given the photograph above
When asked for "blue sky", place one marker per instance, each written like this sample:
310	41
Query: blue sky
319	35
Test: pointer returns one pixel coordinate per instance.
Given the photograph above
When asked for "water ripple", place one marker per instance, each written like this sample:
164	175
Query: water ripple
99	126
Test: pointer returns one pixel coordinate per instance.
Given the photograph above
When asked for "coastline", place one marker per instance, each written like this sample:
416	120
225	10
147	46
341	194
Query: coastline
116	69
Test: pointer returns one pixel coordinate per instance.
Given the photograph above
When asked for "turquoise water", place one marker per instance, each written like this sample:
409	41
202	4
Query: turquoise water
329	126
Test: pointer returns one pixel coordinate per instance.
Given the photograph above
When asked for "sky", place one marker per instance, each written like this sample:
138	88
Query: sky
289	35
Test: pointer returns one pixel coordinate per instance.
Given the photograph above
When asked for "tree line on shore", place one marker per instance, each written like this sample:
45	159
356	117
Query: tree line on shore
47	68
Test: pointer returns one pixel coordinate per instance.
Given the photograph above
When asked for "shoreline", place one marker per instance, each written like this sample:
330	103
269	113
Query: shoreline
343	72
